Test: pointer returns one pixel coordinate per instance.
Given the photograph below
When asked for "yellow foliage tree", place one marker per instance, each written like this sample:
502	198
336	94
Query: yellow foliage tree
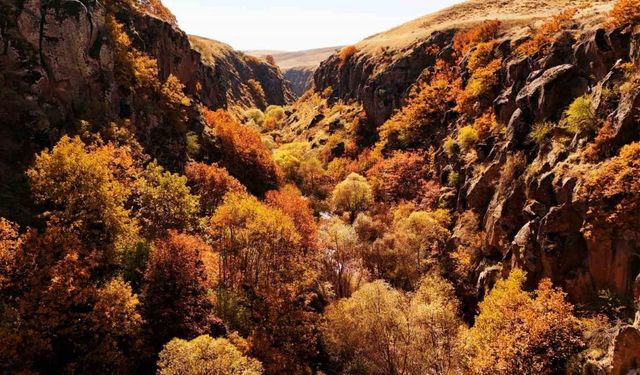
205	355
519	332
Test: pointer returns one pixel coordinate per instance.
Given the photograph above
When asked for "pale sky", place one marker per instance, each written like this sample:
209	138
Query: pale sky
291	25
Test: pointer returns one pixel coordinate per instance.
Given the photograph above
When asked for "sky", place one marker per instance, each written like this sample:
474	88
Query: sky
289	25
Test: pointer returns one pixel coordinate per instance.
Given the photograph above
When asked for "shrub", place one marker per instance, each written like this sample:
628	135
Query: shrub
463	41
346	53
541	133
624	12
544	35
467	137
453	179
517	330
450	146
485	124
482	56
581	117
255	117
205	355
273	117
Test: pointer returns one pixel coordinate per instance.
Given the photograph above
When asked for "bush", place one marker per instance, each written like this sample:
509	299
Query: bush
541	133
467	137
481	83
273	117
450	146
546	33
257	92
346	53
581	117
463	41
454	179
255	117
624	12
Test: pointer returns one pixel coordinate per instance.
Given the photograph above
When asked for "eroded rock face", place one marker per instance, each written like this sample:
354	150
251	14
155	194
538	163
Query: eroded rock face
380	83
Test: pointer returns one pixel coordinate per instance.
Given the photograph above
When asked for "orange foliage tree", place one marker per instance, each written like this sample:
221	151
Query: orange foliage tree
400	177
211	183
243	154
518	331
263	264
175	290
612	190
289	200
56	315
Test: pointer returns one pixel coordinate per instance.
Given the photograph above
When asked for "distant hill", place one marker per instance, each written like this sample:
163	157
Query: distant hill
296	59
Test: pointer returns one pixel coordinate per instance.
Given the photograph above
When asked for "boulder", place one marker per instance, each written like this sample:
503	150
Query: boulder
625	355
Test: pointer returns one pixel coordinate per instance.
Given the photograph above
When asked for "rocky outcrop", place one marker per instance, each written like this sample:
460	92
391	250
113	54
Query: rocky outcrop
380	83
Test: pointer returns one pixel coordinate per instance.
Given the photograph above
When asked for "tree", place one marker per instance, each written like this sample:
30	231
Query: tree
400	177
273	117
346	53
289	200
342	265
380	330
165	202
87	186
175	102
484	32
205	356
546	33
612	192
243	154
175	290
518	332
211	183
57	315
263	265
352	195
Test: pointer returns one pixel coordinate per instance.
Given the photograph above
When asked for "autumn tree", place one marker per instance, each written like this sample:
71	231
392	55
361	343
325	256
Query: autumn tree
175	290
263	263
205	355
421	114
174	102
165	202
400	177
545	34
352	195
243	154
57	315
380	330
518	332
484	32
612	192
87	186
342	265
300	166
289	200
211	183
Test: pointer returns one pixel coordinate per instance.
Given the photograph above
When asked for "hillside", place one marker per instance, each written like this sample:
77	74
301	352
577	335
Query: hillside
296	59
457	195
